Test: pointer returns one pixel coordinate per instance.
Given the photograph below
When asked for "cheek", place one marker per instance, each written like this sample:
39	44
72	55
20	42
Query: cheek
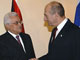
18	28
15	28
11	27
50	18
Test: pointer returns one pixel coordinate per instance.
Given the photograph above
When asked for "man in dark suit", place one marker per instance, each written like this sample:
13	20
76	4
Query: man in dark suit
15	45
66	43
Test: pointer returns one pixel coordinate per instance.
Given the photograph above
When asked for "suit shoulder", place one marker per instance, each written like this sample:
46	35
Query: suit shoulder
24	34
75	27
3	35
72	25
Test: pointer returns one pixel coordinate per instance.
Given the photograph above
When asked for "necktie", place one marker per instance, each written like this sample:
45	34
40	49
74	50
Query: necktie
54	33
17	37
18	40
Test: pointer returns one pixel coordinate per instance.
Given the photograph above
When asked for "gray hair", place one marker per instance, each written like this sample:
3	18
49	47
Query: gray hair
7	19
56	7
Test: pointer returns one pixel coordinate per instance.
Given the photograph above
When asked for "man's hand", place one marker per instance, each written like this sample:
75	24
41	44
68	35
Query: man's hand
33	59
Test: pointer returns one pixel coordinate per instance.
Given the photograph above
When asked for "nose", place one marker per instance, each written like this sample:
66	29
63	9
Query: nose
45	18
19	24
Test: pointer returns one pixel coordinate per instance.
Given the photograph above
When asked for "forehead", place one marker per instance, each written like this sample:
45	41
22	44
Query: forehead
47	9
14	18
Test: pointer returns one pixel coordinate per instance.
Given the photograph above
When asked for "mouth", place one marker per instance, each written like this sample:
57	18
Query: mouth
20	27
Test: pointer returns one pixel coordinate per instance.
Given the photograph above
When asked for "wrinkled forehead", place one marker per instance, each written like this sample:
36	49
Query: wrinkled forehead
47	9
51	4
14	18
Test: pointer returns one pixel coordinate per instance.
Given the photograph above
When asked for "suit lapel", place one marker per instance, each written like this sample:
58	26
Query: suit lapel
13	42
64	30
23	39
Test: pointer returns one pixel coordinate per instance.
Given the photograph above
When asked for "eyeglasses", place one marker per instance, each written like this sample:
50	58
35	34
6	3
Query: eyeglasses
17	22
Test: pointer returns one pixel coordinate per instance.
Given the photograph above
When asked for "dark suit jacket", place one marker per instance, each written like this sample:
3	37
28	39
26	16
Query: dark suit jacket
66	45
11	50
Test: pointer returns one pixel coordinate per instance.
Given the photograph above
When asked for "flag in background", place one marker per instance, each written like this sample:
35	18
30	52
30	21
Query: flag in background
77	15
16	9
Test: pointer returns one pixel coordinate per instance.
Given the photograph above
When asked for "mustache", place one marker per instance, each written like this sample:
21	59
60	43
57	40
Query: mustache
20	27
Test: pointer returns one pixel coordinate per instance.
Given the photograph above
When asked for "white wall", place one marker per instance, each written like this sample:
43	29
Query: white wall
33	14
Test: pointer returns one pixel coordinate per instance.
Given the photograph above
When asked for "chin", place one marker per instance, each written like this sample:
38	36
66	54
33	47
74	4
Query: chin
20	31
50	24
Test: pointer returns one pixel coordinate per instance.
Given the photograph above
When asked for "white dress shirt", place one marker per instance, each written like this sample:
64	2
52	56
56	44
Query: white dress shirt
60	26
19	38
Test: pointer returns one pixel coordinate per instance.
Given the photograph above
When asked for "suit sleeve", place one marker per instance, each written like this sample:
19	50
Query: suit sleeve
29	48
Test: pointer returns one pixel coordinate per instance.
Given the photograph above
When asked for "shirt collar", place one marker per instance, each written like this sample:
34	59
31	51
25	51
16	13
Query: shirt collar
61	25
14	35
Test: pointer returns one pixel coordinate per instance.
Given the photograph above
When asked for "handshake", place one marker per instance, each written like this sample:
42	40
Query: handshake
34	59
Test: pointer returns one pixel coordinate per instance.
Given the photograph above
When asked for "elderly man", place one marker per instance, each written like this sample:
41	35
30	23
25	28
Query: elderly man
15	45
65	38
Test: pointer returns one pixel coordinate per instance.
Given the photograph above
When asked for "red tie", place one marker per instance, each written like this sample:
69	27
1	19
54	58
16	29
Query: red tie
54	33
18	39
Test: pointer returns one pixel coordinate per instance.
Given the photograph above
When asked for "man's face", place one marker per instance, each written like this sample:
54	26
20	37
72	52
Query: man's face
50	18
15	25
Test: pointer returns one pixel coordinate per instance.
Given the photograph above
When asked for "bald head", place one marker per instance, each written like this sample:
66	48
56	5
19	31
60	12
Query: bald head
54	13
56	7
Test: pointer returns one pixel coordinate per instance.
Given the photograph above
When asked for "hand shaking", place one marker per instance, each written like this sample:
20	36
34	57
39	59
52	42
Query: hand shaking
33	59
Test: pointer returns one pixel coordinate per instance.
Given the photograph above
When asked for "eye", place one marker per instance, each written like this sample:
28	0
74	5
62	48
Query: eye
17	22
